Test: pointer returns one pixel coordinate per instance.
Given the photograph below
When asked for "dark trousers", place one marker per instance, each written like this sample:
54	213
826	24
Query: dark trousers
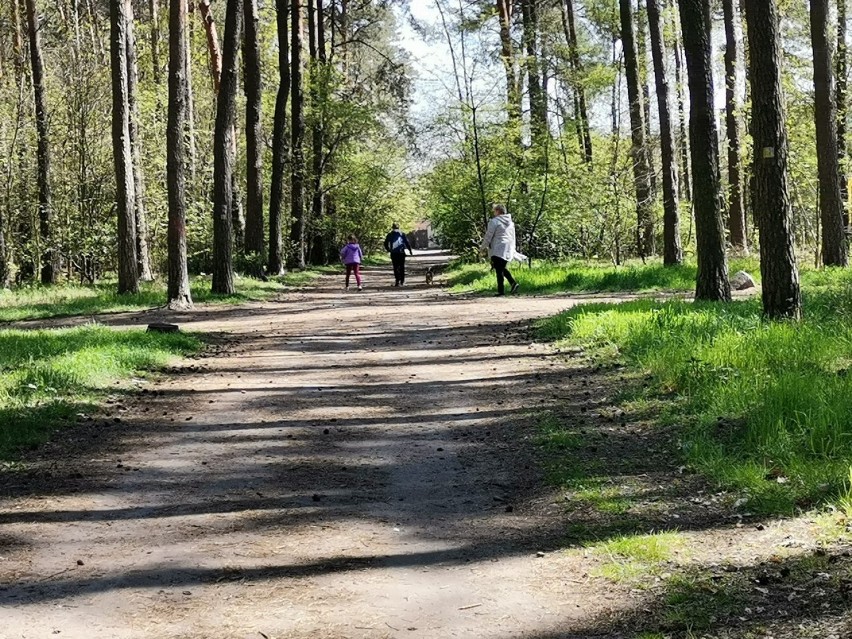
398	260
499	265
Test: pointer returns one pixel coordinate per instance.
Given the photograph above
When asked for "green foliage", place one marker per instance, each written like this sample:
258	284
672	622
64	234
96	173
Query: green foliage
763	406
49	378
633	558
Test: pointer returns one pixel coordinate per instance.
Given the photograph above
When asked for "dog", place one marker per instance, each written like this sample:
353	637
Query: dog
430	275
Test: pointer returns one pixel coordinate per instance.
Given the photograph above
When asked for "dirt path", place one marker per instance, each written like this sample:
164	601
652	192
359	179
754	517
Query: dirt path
346	467
343	465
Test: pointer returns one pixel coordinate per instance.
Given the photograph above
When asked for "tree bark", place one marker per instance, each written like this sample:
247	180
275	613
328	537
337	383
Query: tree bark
642	62
154	6
835	251
538	103
317	54
254	135
128	274
297	132
223	154
213	50
507	56
772	208
179	293
142	253
712	283
683	137
842	113
45	206
736	210
639	147
279	142
189	126
672	251
569	26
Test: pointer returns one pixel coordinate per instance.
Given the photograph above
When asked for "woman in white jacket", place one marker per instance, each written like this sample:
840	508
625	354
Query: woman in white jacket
499	241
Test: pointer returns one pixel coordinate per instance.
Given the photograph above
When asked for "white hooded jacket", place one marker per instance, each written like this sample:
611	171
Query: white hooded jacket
500	237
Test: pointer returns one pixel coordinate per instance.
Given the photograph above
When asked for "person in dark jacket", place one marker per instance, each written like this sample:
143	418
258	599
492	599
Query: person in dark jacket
396	244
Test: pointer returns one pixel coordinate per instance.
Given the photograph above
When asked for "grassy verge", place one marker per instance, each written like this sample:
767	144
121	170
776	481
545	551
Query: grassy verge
40	302
50	378
547	277
762	407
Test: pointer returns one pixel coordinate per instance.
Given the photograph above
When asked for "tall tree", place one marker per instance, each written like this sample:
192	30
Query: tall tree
736	210
45	206
279	141
297	137
128	274
712	282
179	294
842	111
835	251
639	148
254	136
318	97
538	98
154	8
570	28
672	251
505	11
683	138
143	256
772	208
223	153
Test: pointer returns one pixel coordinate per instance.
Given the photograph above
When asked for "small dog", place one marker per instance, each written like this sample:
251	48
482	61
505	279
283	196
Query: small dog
430	274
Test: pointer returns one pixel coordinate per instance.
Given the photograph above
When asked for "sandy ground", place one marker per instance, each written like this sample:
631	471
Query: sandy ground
346	465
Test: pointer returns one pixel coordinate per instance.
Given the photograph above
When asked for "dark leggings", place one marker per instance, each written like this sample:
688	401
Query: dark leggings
398	260
499	265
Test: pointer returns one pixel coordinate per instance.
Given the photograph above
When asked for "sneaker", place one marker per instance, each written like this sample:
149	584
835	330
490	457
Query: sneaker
360	288
515	288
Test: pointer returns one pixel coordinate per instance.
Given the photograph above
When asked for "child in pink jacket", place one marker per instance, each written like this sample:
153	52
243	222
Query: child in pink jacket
351	257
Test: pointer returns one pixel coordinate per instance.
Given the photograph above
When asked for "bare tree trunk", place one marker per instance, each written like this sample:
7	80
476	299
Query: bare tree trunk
835	251
179	293
297	176
154	6
712	283
642	62
672	251
189	119
45	207
318	72
507	56
780	274
582	112
538	103
736	210
142	254
279	142
254	135
128	274
213	50
842	113
639	152
683	138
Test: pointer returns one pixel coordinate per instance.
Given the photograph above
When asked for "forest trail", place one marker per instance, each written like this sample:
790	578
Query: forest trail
341	465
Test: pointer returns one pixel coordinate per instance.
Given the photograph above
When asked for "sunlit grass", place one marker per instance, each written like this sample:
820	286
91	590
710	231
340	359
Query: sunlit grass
763	406
49	377
585	276
629	558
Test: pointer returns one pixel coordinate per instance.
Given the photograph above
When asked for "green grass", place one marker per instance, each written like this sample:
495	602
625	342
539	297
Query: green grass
631	558
49	377
577	276
762	406
68	300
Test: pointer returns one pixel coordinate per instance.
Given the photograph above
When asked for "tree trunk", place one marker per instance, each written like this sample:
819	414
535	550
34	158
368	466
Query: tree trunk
736	210
254	136
279	142
672	251
835	251
712	283
639	147
842	113
568	25
772	208
128	274
223	154
154	6
538	104
507	56
179	294
45	207
189	126
683	138
297	176
215	54
142	254
642	61
318	96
